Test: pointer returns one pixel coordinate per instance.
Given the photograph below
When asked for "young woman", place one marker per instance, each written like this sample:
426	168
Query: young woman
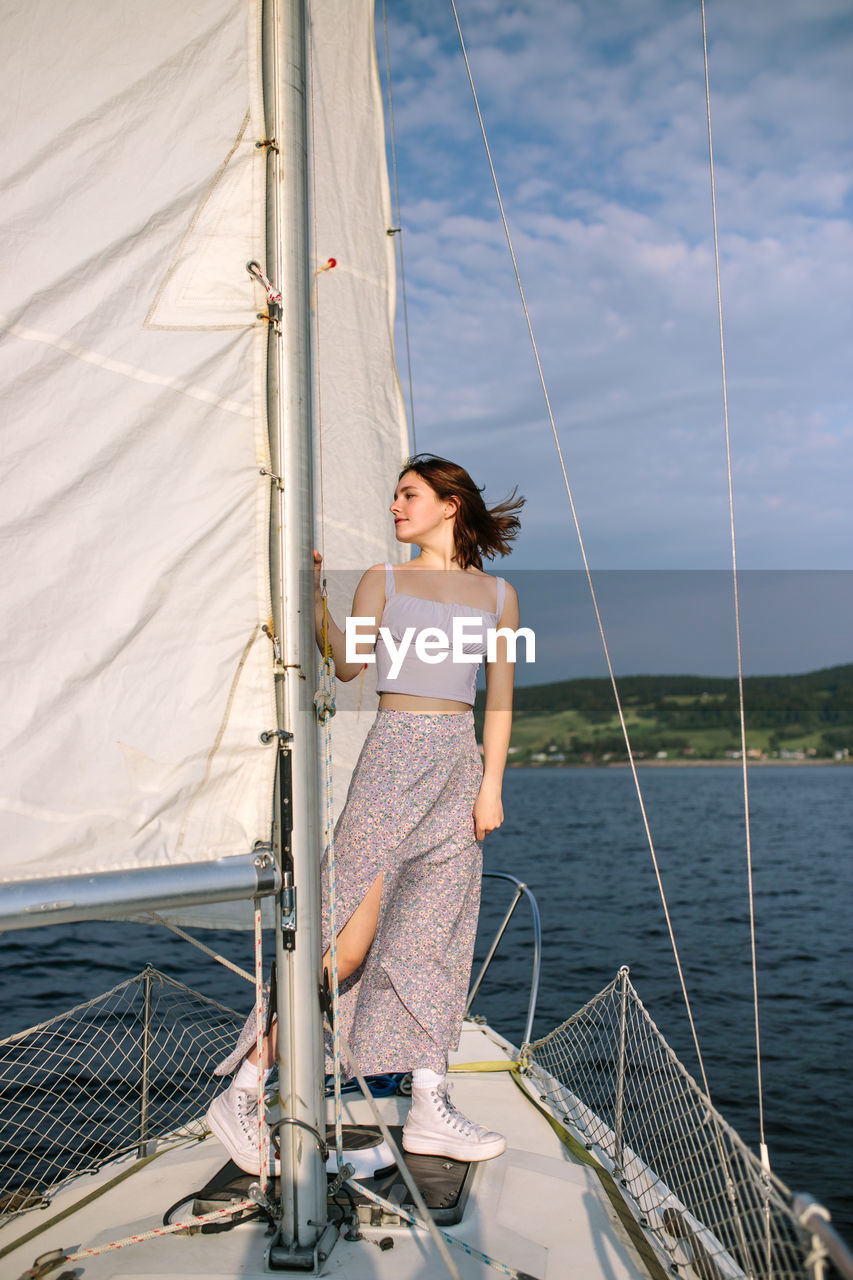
408	857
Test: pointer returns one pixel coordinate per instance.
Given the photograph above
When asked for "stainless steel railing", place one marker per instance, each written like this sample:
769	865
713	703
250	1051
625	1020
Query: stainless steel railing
521	890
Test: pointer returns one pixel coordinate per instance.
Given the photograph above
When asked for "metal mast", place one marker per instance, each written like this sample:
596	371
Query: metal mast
300	1039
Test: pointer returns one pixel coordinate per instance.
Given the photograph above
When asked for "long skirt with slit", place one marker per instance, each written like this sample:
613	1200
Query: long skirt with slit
409	817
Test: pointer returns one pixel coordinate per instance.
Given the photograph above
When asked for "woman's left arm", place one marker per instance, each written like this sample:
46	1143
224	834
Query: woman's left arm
500	674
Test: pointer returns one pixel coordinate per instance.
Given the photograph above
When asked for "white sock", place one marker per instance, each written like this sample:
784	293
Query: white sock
423	1078
247	1075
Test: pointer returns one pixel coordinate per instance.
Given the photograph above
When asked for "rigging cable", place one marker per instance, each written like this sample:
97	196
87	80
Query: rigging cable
187	937
587	569
398	229
765	1157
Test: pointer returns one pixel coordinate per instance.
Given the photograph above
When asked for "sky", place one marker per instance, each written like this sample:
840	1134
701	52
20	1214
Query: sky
597	122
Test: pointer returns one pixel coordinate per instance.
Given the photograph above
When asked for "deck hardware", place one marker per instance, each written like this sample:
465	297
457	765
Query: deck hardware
257	1195
346	1171
276	1123
282	734
326	999
46	1262
288	911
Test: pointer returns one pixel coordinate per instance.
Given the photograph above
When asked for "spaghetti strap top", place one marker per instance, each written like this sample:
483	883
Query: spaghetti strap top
453	636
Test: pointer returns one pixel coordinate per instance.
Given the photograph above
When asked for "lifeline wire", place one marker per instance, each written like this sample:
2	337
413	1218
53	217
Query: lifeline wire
736	593
587	570
214	955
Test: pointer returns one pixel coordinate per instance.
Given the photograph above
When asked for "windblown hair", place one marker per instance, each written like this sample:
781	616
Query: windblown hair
479	530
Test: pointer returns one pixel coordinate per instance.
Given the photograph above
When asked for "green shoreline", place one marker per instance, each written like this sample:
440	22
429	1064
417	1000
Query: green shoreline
694	719
681	764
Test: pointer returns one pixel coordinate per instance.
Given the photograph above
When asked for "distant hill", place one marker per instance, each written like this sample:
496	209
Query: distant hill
572	721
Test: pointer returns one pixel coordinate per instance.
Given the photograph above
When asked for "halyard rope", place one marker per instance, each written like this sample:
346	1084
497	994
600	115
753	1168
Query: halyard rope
273	294
263	1131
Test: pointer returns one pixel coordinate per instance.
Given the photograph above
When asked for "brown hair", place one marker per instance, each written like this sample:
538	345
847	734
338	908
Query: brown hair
479	530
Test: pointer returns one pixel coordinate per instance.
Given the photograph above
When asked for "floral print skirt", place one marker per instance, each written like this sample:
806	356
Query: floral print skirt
409	817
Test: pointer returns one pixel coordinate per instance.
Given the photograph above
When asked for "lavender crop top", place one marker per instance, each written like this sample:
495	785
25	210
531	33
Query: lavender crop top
446	678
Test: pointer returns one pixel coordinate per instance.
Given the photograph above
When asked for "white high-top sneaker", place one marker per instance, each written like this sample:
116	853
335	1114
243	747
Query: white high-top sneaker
435	1128
233	1119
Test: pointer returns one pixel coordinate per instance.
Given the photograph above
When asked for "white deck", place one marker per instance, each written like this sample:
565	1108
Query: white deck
536	1208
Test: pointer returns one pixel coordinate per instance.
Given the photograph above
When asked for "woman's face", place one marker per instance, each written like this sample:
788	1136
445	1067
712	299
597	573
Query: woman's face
417	509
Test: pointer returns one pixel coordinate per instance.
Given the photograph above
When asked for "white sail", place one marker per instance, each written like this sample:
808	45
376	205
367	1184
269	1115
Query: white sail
361	419
132	379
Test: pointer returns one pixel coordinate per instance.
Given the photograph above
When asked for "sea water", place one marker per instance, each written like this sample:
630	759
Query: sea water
576	837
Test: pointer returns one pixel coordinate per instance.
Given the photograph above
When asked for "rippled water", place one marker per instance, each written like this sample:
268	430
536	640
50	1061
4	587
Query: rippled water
576	837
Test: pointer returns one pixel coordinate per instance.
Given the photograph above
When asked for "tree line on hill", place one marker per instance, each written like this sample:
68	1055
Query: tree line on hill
816	707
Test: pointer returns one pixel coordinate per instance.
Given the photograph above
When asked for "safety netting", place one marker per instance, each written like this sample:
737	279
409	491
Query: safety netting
609	1074
113	1075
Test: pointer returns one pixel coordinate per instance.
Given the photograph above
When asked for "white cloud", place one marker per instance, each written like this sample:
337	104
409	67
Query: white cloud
596	117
